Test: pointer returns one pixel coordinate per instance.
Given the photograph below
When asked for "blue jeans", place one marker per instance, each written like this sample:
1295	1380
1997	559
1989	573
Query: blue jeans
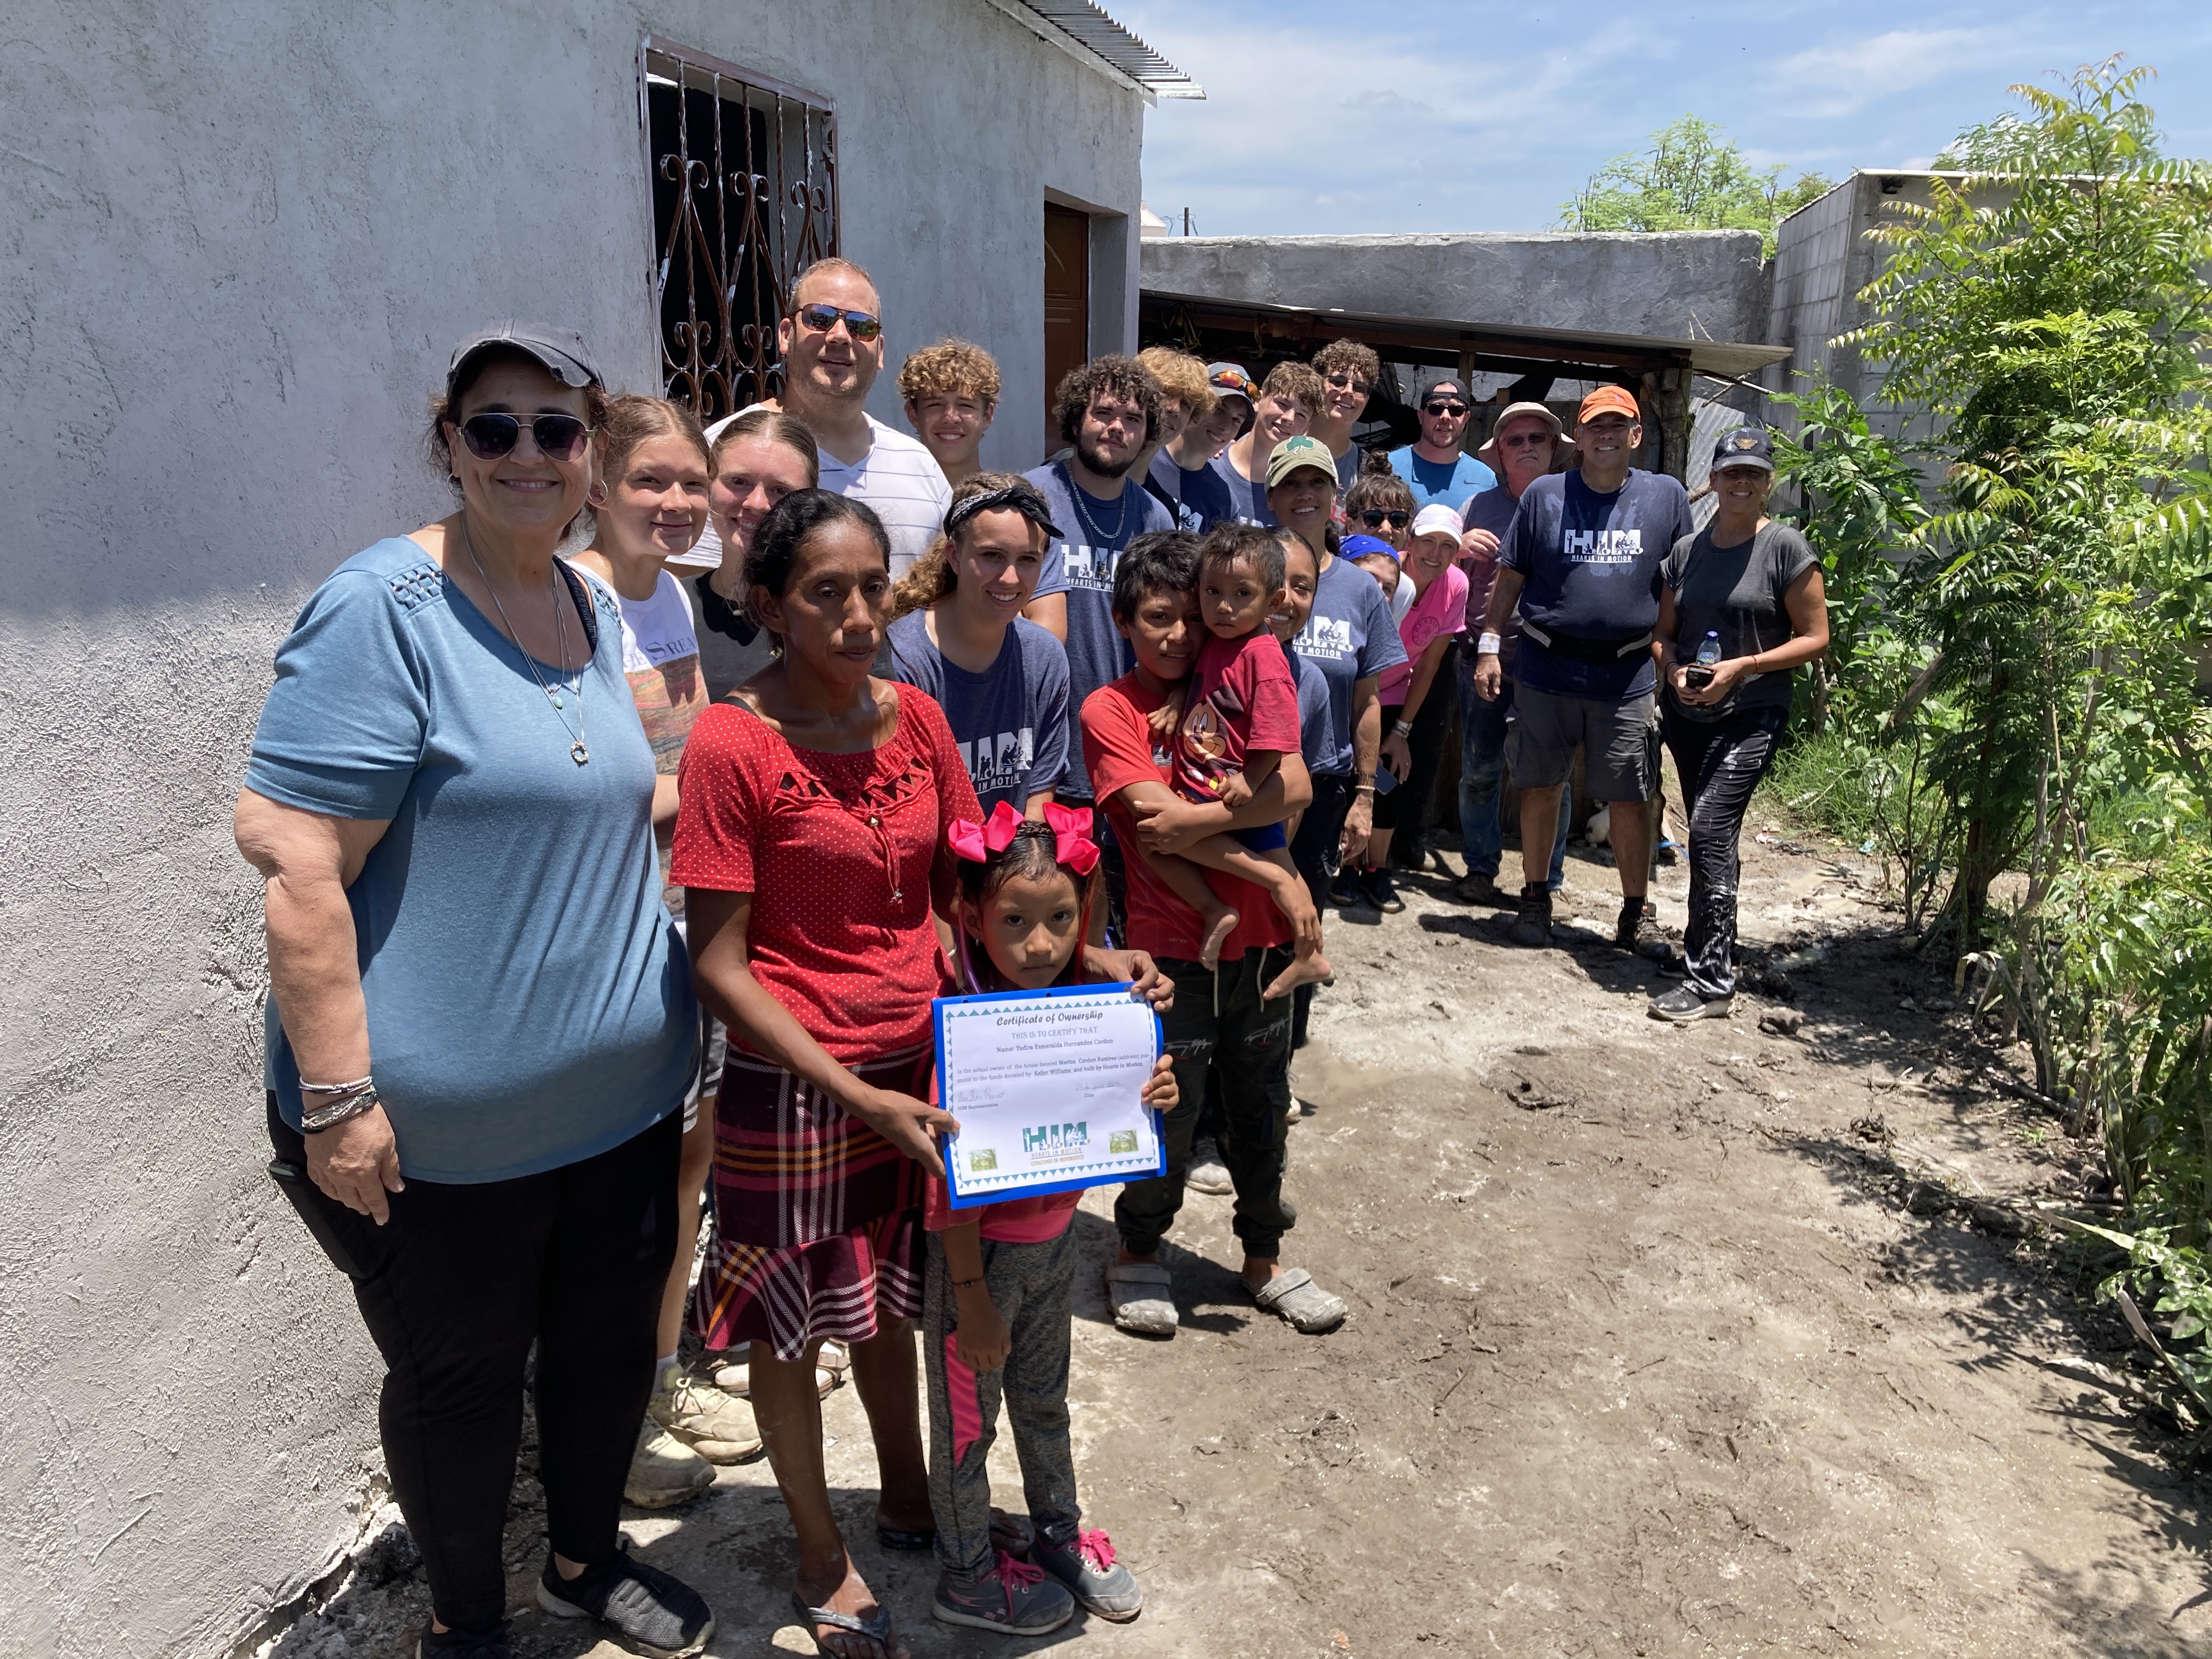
1481	768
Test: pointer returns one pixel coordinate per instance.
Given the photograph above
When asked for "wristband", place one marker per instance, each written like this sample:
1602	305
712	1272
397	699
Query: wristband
1402	729
1488	644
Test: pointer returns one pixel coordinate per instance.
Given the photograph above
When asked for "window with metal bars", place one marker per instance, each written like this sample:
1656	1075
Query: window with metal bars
744	173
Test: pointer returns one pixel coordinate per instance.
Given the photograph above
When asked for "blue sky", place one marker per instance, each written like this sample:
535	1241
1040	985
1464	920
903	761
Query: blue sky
1446	115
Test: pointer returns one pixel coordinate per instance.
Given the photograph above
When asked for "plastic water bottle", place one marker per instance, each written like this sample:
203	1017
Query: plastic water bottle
1709	652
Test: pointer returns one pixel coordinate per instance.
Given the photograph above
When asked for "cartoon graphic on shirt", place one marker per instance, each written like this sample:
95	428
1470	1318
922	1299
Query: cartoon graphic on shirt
1324	636
1205	740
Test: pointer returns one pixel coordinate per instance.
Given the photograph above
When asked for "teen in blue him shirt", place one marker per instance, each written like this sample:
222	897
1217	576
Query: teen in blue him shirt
1109	410
1436	468
1582	561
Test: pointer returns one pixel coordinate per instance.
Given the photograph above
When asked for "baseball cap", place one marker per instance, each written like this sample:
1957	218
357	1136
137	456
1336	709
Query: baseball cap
1293	453
1436	519
562	350
1609	400
1745	446
1230	379
1488	454
1432	384
1359	546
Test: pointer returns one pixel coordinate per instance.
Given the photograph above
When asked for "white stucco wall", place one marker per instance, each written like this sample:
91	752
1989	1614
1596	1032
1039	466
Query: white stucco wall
236	241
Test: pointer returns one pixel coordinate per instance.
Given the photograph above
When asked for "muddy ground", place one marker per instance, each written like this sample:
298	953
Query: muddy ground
1663	1340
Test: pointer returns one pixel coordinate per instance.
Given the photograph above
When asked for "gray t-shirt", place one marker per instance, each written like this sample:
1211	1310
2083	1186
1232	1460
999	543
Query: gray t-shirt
1493	510
1736	593
725	663
1010	721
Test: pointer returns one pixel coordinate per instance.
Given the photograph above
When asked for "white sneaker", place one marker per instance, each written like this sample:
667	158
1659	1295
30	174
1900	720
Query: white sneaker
1207	1173
715	1425
663	1470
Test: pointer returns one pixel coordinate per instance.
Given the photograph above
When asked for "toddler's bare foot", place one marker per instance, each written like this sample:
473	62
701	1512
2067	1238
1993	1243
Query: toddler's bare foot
1218	930
1308	969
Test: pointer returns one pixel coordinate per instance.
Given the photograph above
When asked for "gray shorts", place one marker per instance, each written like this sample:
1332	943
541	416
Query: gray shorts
1619	741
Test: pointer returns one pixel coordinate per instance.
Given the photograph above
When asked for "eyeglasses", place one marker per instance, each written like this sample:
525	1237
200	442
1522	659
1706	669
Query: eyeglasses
1443	409
820	319
1343	380
1527	441
1375	518
558	437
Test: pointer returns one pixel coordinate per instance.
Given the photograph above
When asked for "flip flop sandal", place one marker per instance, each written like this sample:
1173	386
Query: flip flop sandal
877	1627
1015	1537
1306	1307
1144	1304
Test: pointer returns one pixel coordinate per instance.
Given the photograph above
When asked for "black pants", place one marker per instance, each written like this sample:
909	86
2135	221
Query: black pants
1406	807
1721	762
455	1289
1218	1023
1315	851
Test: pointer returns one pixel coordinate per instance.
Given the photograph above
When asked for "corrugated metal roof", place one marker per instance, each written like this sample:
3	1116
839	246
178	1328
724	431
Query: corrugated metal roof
1104	38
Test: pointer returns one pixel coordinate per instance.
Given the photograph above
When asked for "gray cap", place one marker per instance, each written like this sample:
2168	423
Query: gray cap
562	350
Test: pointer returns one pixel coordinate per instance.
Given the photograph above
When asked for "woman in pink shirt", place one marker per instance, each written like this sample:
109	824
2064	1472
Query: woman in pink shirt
1413	719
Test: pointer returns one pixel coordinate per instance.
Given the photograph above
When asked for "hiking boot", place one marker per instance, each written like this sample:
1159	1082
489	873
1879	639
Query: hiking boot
1533	927
1681	1005
1207	1173
1382	891
463	1643
663	1470
1476	887
1086	1566
1014	1598
1638	930
647	1607
716	1425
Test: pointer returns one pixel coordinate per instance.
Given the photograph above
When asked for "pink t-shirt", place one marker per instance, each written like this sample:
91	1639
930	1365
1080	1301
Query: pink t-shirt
1442	609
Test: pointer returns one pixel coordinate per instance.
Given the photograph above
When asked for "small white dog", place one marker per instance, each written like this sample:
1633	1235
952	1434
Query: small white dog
1599	830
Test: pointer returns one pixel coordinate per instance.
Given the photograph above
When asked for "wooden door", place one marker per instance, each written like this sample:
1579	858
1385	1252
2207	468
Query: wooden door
1067	305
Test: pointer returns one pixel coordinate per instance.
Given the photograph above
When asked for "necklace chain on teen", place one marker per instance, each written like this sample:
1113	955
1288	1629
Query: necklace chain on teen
1120	523
577	752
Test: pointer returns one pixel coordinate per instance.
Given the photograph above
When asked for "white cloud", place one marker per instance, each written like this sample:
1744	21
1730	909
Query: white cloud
1843	79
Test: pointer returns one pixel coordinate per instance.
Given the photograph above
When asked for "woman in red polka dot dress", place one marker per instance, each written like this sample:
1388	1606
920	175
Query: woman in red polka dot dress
810	845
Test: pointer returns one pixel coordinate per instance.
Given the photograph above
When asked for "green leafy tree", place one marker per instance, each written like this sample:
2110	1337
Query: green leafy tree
1692	178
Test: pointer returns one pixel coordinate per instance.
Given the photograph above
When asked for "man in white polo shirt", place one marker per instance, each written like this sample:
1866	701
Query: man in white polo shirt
832	341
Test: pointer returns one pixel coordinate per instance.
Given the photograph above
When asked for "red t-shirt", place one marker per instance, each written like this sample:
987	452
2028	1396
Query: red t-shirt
841	854
1242	698
1119	750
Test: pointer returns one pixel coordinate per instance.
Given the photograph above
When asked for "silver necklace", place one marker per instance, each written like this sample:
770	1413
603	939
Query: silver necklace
1082	512
577	752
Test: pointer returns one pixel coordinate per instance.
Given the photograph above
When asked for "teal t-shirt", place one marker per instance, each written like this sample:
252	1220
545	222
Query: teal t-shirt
530	1003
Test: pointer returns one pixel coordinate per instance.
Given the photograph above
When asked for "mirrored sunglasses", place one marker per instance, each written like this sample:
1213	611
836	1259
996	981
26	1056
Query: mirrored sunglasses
558	437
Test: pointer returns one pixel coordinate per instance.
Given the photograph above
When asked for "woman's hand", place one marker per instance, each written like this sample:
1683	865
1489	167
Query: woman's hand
1729	674
356	1163
914	1127
1398	755
982	1340
1160	1091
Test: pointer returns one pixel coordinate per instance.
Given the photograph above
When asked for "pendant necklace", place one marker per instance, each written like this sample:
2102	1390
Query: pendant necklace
577	752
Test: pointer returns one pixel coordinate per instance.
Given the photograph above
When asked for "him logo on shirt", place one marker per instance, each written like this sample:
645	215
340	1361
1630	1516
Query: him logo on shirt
998	762
1324	636
1601	546
1090	568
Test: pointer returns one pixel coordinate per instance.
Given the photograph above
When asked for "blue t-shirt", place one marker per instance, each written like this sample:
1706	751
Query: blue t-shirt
1080	564
1201	500
1010	721
1591	566
1314	741
529	1000
1350	636
1449	481
1247	501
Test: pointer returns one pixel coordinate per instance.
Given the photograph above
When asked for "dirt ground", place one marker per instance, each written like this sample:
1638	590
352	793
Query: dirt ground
1663	1340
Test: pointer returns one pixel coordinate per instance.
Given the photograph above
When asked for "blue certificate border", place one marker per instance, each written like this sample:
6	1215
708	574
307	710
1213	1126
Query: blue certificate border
1034	1188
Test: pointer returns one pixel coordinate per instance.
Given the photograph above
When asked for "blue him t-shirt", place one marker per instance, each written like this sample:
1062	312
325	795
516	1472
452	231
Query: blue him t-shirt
1080	564
1247	501
1449	482
1591	566
1201	500
529	1000
1314	744
1010	721
1349	637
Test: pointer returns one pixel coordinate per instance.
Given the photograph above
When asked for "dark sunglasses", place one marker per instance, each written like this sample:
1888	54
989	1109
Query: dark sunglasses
1443	409
558	437
1341	380
1375	518
822	318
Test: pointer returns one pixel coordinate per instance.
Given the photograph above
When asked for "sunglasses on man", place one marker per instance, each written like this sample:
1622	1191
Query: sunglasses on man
558	437
1453	409
1344	380
820	319
1375	518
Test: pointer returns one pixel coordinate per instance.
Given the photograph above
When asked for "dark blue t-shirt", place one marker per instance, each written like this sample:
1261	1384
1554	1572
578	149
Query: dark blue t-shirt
1079	563
1449	481
1201	500
1591	565
1010	721
1350	636
1247	501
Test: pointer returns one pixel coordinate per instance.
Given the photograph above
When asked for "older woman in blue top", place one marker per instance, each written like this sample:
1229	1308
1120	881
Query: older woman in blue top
481	1025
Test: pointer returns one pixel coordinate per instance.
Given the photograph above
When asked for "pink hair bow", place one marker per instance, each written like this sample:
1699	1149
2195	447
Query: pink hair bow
977	842
1071	842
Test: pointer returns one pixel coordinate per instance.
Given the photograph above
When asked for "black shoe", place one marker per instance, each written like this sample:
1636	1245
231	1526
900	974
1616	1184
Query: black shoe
1533	927
653	1609
1382	891
1344	891
463	1643
1681	1005
1638	930
1476	888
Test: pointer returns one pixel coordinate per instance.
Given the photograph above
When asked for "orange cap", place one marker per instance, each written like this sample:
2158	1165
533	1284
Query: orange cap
1609	399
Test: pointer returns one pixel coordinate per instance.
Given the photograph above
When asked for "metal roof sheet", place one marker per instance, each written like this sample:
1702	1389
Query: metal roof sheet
1089	28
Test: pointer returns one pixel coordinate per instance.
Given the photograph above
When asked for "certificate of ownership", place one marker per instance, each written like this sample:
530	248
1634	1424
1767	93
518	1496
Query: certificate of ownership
1048	1089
